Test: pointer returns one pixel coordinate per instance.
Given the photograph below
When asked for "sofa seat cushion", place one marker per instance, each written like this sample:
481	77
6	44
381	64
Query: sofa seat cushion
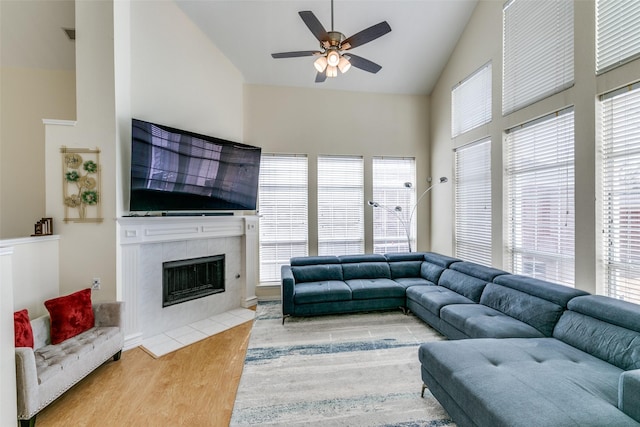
322	291
480	321
375	288
433	298
524	382
57	358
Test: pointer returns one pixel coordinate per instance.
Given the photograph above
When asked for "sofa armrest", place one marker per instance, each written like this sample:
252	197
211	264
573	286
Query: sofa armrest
628	392
288	290
26	382
109	313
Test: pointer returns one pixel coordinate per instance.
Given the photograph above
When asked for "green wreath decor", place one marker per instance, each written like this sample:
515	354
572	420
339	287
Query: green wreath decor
90	166
90	197
72	176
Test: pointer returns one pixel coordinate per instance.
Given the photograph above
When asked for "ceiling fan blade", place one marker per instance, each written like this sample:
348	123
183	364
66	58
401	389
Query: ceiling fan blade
314	25
295	54
363	64
321	77
366	35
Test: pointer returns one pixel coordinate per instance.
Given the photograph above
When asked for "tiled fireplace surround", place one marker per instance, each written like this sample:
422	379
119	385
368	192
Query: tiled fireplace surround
146	242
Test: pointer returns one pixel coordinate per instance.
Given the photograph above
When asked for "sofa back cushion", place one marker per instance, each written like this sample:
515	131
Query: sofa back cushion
476	270
316	273
313	260
366	270
440	260
344	259
405	256
463	284
558	294
405	269
537	312
606	328
431	271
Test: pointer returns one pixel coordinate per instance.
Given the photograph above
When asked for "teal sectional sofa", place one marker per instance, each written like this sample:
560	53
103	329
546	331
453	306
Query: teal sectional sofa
521	351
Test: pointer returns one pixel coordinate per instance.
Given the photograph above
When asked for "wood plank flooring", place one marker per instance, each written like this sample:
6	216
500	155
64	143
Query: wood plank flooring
193	386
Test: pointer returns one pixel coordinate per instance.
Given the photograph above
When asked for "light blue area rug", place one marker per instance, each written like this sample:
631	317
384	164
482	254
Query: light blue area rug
343	370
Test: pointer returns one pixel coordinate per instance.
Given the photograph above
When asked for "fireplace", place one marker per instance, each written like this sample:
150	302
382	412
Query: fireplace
190	279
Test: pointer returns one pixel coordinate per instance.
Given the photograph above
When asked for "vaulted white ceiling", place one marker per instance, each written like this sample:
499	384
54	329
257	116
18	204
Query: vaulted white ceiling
423	35
412	55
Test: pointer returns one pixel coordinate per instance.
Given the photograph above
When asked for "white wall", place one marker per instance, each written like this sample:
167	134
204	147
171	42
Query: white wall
482	42
8	400
35	266
141	59
28	95
316	122
178	77
88	250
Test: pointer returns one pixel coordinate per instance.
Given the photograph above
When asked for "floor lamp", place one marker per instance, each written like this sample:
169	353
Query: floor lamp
396	211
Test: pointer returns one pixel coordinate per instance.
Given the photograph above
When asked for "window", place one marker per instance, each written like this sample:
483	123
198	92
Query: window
541	213
617	33
537	51
471	102
340	205
391	223
473	202
282	200
620	193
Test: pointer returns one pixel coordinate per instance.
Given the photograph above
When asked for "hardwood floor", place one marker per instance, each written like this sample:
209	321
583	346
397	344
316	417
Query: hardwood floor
193	386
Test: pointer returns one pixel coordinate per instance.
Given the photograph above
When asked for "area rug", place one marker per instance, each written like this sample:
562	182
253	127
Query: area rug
342	370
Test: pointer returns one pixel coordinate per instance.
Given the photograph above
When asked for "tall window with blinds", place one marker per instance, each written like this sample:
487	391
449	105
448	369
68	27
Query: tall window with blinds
471	101
537	51
617	33
282	204
540	198
340	205
473	202
620	193
391	228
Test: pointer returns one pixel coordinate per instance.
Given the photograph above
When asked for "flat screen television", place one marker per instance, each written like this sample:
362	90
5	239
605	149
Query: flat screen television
173	170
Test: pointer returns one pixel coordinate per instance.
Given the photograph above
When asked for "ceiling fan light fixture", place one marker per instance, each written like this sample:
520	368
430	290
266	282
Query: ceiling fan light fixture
320	63
333	58
344	64
332	71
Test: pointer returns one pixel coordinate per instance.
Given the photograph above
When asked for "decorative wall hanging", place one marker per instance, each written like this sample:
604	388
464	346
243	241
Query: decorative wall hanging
81	184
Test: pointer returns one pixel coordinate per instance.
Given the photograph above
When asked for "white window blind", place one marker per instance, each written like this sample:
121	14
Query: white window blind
617	33
395	199
537	51
620	193
282	203
471	102
541	213
473	202
340	205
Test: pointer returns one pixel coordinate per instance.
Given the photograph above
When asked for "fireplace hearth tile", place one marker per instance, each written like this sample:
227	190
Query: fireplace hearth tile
165	343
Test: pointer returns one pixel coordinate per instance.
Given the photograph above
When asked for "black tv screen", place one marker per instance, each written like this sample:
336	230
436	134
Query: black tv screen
177	170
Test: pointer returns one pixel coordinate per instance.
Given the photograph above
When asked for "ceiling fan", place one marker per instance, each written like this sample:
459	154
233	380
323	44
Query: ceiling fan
335	50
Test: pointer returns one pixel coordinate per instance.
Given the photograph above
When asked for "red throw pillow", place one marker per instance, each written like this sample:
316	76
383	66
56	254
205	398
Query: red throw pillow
70	315
22	329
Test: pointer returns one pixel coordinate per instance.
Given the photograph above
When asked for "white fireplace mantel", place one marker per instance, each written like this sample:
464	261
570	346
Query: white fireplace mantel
139	240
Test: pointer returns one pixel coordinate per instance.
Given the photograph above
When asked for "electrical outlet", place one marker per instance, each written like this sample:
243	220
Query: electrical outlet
95	284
